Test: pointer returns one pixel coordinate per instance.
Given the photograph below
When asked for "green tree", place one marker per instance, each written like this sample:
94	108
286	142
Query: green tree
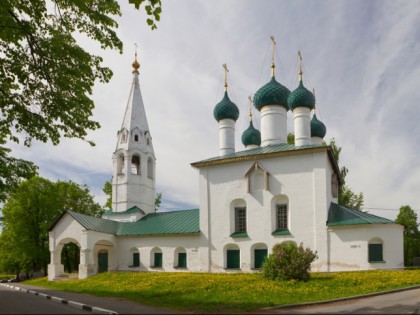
346	197
408	218
46	76
27	215
107	189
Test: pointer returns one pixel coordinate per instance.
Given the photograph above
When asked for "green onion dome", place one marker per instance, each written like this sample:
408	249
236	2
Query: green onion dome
318	128
251	136
301	97
226	109
273	93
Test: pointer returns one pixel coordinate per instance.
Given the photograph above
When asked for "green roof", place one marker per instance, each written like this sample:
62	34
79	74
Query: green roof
339	215
174	222
318	128
251	136
226	109
95	224
301	97
131	210
273	93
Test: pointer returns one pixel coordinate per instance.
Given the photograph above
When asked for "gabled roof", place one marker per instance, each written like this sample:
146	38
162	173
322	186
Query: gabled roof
174	222
270	151
131	210
339	215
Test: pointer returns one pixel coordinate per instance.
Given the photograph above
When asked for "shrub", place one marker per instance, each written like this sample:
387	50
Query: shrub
288	261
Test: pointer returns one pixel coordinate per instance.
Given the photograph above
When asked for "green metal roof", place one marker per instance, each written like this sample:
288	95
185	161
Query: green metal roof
226	109
339	215
174	222
273	93
318	128
131	210
251	136
301	97
95	224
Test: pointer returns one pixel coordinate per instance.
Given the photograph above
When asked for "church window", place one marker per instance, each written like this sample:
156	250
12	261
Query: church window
240	219
281	217
136	259
150	168
375	251
260	254
135	165
124	137
233	258
147	141
182	260
136	138
158	260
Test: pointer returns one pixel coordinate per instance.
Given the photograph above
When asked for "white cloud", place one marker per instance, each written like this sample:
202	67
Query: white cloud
361	56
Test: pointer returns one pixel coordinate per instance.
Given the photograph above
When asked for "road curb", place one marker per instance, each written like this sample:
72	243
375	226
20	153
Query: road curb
342	299
81	306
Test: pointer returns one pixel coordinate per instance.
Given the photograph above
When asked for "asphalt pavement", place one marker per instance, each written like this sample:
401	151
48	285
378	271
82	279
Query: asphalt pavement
402	301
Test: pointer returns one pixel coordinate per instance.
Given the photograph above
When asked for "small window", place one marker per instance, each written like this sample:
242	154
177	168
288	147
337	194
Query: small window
376	253
135	165
136	259
260	255
124	137
334	185
136	138
281	217
233	258
147	141
240	219
182	260
158	260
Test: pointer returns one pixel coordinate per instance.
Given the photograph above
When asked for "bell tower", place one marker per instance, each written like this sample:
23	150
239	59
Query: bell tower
134	162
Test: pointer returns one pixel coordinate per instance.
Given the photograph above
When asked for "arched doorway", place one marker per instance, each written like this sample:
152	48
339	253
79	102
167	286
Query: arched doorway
102	260
70	257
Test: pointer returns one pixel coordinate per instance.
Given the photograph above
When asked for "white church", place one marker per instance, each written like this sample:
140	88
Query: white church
249	200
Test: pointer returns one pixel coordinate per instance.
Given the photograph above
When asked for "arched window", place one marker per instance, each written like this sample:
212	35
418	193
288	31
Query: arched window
375	251
135	257
180	258
136	138
233	257
156	258
259	253
150	168
135	164
120	164
239	218
280	216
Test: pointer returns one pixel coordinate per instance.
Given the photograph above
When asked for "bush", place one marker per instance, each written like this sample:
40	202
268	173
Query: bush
288	261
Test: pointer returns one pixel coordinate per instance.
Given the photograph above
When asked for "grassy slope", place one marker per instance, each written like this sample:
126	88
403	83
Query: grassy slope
201	292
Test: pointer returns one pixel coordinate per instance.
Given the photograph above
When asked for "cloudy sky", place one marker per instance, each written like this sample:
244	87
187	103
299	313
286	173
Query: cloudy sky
362	57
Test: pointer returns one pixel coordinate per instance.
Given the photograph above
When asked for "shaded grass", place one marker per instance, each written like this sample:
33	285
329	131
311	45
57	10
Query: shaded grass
6	276
203	292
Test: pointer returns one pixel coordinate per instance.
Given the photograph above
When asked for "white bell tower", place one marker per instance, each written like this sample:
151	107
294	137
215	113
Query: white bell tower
134	162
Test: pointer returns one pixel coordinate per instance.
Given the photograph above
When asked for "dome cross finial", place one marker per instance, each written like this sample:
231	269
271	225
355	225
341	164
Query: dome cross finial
300	66
273	66
226	71
135	63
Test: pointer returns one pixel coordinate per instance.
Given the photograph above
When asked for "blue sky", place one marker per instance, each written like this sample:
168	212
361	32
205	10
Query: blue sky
362	57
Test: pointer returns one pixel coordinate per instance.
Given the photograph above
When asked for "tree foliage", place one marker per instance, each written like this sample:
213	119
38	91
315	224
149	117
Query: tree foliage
288	261
47	77
27	215
408	218
346	197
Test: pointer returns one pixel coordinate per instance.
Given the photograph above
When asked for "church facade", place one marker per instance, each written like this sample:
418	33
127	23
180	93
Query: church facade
249	200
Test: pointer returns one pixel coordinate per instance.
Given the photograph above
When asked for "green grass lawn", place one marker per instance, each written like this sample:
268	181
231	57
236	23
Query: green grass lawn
203	292
6	276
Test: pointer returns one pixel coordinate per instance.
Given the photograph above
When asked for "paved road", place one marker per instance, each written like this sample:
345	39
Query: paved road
405	302
14	302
